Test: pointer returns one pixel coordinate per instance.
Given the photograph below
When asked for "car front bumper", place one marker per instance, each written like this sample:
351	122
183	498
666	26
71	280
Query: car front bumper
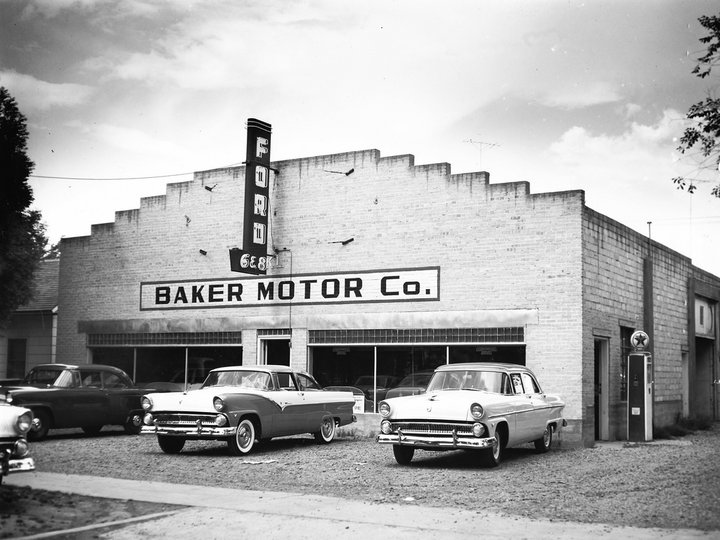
190	431
13	465
437	442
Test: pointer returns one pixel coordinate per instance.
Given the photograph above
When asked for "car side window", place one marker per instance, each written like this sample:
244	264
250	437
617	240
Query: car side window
505	387
286	382
114	381
306	383
531	387
517	383
91	379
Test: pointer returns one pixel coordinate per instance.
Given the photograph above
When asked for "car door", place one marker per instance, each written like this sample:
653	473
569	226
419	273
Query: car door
292	419
539	414
121	395
91	407
524	412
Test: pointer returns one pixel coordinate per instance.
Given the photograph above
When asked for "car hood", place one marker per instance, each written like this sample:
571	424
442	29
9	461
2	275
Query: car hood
445	405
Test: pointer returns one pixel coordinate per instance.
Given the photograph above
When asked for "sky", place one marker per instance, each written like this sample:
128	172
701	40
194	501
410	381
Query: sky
563	94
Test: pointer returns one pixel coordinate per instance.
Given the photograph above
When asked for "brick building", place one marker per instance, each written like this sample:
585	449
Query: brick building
380	268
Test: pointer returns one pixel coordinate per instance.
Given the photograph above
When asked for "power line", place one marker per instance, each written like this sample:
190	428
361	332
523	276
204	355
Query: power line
96	179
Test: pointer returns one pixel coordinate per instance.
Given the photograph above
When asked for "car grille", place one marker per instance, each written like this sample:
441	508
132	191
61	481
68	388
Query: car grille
431	428
176	419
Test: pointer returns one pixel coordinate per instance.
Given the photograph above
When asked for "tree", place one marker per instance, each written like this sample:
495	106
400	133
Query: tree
704	134
22	235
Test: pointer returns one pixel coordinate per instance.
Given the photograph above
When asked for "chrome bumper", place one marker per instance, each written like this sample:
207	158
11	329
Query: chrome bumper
25	464
437	442
189	431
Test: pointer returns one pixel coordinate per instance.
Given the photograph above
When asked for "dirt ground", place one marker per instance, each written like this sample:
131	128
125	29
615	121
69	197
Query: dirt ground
667	484
25	512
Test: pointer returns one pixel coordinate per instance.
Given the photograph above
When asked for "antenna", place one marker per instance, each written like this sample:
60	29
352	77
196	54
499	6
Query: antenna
479	145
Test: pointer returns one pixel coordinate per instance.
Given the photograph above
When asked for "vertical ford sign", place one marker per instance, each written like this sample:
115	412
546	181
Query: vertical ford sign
252	258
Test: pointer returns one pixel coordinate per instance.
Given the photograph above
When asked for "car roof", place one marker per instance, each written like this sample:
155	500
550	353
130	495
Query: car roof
101	367
491	366
268	368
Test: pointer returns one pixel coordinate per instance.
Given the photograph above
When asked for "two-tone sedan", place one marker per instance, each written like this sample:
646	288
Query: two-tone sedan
245	404
474	406
15	455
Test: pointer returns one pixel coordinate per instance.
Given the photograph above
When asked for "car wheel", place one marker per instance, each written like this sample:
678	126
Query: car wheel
327	431
403	454
491	457
244	439
92	430
133	424
171	445
544	443
40	426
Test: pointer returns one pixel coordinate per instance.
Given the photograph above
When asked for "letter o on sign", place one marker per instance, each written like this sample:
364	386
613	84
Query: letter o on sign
411	287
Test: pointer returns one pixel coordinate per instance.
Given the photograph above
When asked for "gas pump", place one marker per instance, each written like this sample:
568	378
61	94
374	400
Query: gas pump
639	389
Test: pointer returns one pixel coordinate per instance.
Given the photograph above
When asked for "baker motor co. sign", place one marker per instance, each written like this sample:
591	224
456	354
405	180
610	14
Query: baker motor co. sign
401	285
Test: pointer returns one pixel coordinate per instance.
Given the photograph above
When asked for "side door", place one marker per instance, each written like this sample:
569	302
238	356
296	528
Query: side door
524	412
540	409
292	419
92	406
122	397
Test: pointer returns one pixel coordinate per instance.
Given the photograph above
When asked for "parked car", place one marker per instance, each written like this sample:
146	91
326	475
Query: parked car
87	396
244	404
15	455
413	384
368	385
474	406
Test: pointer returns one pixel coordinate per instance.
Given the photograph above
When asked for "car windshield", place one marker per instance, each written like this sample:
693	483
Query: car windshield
489	381
258	380
50	377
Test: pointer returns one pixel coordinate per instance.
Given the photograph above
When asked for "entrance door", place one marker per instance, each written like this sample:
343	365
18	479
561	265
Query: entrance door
275	350
602	390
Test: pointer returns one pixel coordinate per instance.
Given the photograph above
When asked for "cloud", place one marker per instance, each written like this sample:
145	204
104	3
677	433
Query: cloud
638	146
578	96
34	94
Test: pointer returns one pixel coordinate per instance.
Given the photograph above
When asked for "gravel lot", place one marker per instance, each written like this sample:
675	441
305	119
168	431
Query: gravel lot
669	484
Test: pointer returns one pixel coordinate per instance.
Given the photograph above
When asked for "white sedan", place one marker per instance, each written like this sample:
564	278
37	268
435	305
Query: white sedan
485	407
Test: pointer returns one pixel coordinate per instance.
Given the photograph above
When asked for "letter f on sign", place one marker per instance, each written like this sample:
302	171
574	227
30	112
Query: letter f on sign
261	147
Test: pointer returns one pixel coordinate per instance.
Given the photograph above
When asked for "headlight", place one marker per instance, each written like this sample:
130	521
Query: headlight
24	422
385	427
220	420
21	448
476	411
384	409
146	403
148	419
219	404
478	430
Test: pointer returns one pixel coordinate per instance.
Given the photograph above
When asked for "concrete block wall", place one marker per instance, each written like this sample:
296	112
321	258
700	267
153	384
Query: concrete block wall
613	258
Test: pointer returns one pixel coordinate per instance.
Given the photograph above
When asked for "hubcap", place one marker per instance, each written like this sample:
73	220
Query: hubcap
243	437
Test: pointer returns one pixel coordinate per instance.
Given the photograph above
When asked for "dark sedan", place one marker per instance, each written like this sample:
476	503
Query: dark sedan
77	396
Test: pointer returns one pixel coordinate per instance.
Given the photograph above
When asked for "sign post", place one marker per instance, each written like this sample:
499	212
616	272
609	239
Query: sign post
252	258
639	389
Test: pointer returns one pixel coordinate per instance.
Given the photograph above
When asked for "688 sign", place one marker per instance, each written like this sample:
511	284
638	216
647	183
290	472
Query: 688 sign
246	262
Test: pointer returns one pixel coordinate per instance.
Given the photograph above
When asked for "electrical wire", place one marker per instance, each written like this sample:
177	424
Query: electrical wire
95	179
